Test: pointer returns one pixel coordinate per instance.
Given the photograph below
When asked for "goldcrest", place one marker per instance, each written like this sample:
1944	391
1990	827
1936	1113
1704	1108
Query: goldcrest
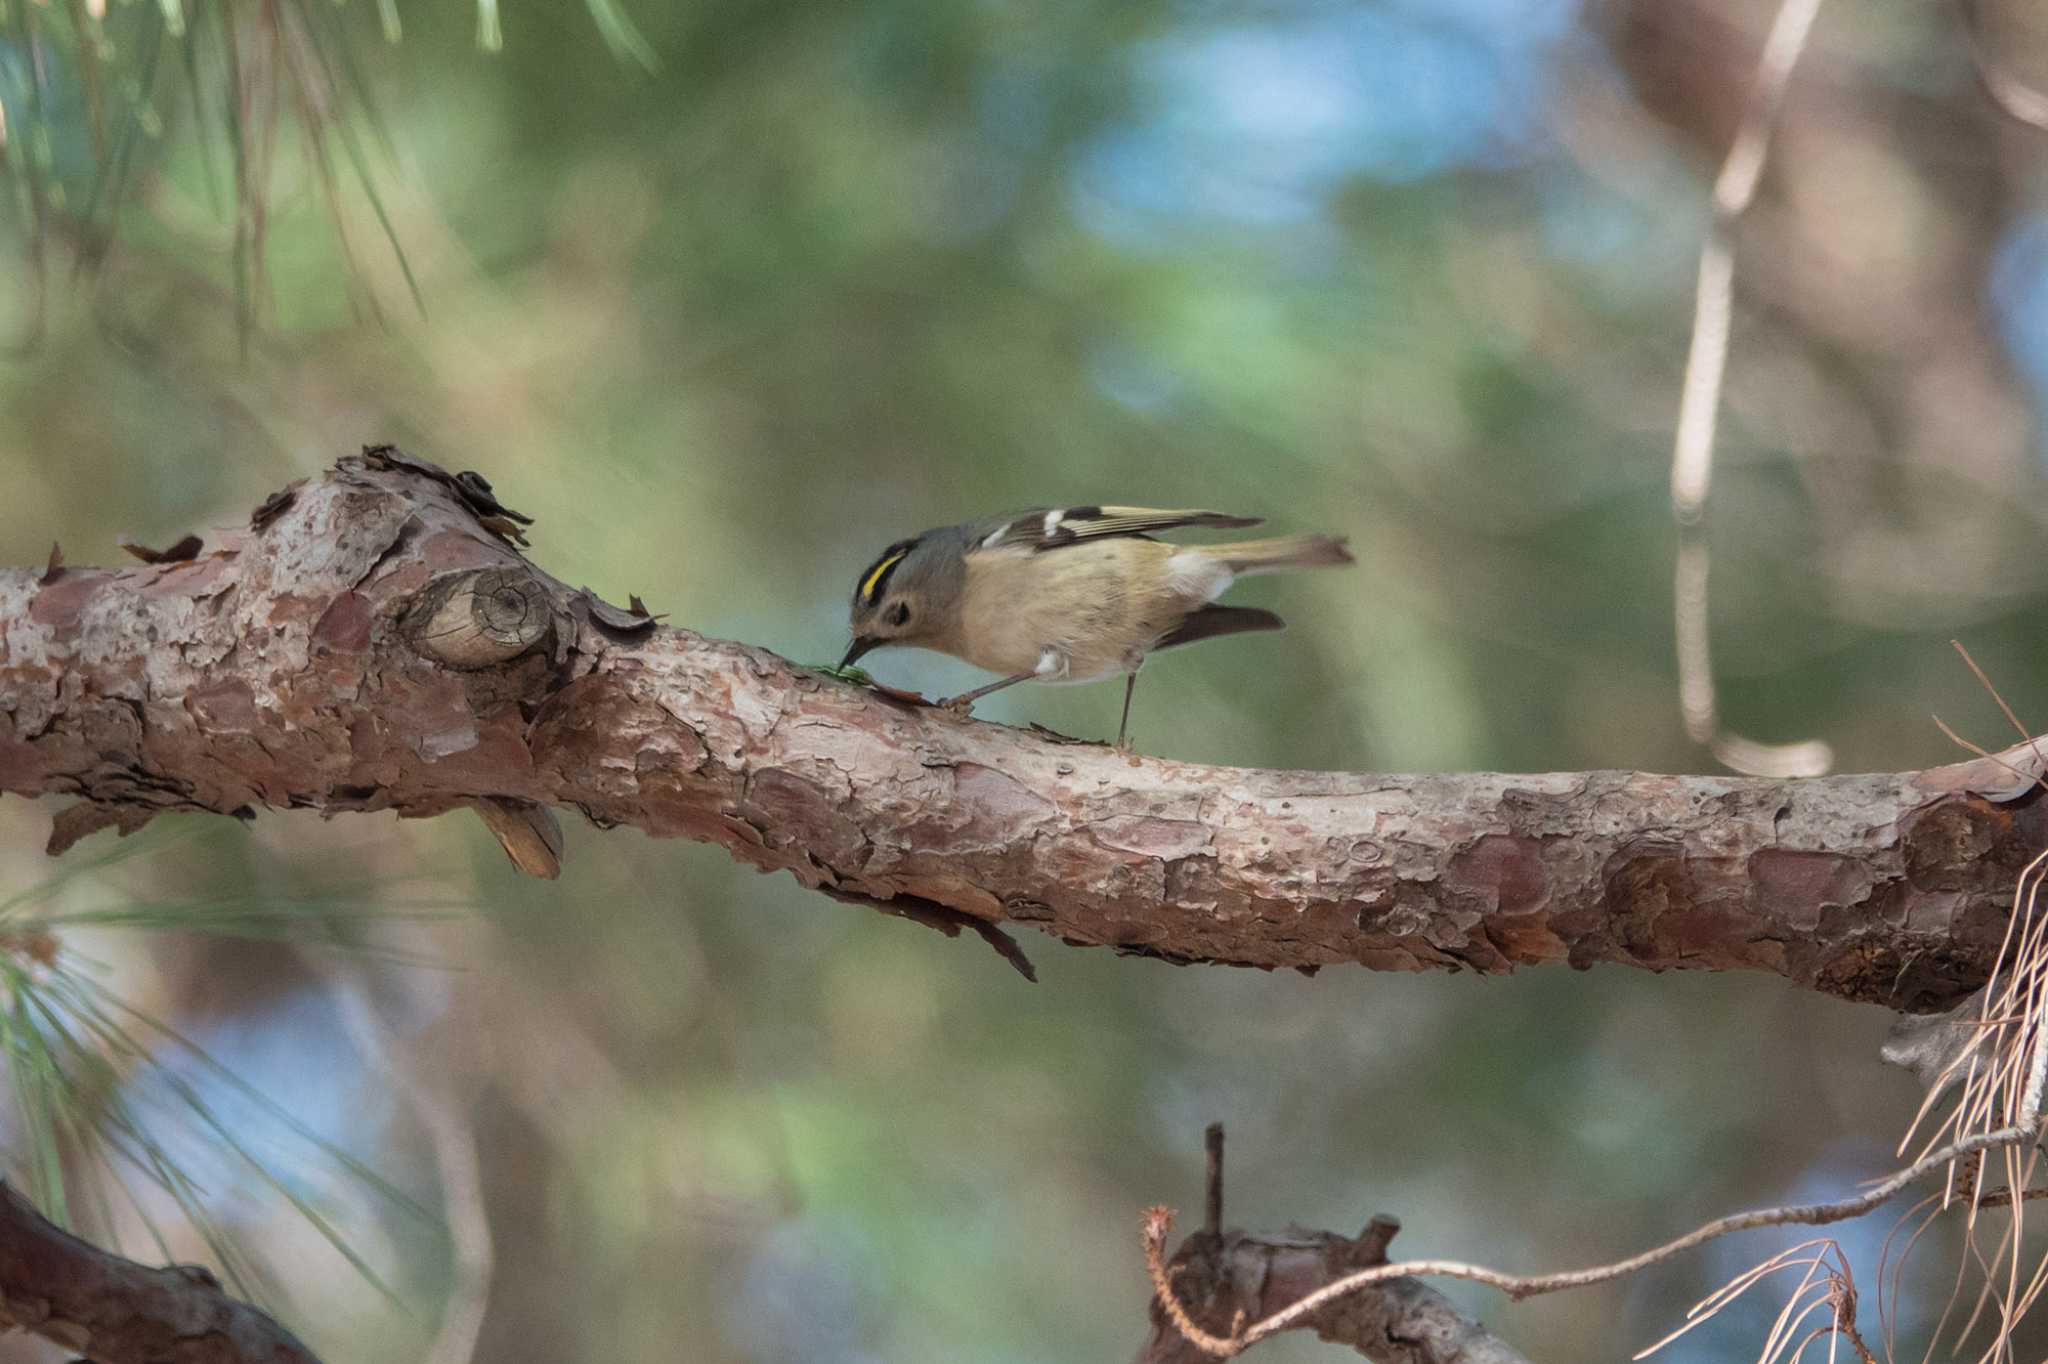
1068	594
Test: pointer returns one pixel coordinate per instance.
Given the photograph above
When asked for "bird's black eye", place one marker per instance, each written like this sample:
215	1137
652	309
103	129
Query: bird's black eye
897	614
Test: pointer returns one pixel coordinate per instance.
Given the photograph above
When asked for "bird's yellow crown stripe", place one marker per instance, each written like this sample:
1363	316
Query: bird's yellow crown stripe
874	578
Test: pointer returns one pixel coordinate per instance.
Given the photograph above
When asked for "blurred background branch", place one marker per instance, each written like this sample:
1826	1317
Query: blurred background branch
85	1299
1692	452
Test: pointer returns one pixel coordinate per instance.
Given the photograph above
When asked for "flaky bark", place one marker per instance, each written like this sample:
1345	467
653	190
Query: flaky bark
120	1312
303	661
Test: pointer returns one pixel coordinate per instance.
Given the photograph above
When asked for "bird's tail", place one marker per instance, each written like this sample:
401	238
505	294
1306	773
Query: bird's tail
1281	554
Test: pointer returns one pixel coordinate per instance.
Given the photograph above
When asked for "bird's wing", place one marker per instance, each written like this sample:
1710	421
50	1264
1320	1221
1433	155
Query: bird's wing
1207	622
1051	527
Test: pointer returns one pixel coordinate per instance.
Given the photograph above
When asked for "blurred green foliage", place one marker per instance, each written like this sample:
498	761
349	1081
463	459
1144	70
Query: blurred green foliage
732	295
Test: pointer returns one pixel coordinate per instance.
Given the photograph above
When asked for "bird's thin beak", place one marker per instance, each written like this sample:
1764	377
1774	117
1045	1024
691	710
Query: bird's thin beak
860	646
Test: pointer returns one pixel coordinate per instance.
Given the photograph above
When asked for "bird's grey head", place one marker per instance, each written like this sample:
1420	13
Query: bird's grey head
909	593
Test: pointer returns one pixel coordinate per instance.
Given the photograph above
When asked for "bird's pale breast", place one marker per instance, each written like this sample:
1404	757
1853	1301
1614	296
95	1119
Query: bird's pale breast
1094	609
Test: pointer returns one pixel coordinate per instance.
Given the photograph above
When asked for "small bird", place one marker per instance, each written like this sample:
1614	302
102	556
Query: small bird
1067	594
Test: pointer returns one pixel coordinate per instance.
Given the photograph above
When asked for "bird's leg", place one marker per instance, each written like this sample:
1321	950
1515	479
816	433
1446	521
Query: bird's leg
964	702
1123	726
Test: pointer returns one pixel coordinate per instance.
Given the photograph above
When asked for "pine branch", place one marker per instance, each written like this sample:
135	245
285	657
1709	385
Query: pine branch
374	640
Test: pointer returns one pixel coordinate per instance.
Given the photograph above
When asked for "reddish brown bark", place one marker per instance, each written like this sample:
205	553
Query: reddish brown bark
286	666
